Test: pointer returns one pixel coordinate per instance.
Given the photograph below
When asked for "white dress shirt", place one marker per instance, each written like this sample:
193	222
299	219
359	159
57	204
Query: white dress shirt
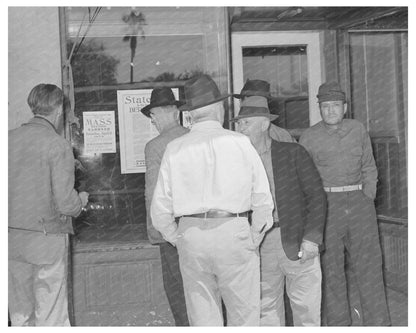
210	168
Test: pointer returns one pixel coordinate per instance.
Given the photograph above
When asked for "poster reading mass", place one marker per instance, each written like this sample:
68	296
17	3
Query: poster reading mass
99	132
135	129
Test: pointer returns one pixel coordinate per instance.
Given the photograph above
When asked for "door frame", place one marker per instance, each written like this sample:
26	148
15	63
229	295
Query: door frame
313	42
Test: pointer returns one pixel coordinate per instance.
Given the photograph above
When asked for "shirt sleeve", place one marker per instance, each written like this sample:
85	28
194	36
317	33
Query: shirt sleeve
161	209
368	167
152	159
62	166
261	198
303	140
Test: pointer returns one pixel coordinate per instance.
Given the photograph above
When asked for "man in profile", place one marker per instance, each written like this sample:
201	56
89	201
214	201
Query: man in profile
210	178
261	88
41	199
289	254
164	113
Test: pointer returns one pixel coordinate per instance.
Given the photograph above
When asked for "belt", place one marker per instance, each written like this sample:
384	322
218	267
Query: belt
213	213
347	188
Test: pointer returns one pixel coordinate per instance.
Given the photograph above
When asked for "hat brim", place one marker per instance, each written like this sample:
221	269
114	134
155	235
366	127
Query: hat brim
146	110
187	107
266	115
260	93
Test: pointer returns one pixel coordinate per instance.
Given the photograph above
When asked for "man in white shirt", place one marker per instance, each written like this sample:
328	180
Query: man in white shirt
211	178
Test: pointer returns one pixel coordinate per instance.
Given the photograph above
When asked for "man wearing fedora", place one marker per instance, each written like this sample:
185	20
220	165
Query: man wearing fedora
163	110
210	179
341	150
290	250
262	88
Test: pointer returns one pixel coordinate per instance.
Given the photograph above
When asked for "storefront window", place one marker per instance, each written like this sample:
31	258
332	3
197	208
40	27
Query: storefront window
136	49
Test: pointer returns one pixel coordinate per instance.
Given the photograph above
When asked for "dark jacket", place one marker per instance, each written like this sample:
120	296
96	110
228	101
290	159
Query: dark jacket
300	197
153	152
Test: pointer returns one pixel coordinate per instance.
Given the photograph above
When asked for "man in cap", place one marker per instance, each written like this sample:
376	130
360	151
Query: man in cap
163	110
211	178
261	88
41	199
341	150
290	250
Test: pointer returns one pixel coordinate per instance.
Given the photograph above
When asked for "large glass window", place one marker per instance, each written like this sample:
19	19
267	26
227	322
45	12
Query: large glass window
131	48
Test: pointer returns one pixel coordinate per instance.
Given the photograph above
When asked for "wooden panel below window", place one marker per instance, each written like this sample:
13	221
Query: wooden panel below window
119	285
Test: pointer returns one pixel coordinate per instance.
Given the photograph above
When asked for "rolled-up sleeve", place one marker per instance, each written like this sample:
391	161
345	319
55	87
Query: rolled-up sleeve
161	209
62	167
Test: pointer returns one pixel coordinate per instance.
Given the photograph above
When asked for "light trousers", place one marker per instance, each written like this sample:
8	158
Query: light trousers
38	292
303	285
218	259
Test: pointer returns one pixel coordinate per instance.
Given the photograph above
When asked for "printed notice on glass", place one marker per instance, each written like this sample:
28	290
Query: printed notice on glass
135	129
99	132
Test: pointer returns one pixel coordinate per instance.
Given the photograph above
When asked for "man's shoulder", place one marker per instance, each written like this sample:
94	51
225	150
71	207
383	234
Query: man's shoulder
280	147
38	135
354	124
314	129
161	141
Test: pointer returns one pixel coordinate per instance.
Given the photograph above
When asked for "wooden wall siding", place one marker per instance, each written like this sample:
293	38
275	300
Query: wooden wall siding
394	244
119	285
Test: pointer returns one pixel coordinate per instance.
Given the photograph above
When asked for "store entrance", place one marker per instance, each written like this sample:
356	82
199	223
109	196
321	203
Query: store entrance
290	62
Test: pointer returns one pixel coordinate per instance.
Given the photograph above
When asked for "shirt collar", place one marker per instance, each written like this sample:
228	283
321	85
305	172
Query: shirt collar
171	128
267	148
207	124
331	131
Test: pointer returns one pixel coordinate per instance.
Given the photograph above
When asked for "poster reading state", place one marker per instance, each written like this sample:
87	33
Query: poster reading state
135	129
99	132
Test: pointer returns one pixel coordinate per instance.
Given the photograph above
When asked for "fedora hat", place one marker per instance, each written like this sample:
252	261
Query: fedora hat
254	106
330	91
255	88
160	97
201	91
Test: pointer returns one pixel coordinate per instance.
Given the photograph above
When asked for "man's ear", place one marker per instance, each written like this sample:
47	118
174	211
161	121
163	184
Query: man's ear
345	107
265	125
176	115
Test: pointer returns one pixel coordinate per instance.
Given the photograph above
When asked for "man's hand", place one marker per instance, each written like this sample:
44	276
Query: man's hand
84	198
257	238
308	250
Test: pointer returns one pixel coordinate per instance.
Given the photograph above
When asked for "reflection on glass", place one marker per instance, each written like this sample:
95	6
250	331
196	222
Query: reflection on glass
127	48
285	68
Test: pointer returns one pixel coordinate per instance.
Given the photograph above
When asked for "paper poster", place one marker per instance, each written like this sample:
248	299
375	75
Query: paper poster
135	129
99	132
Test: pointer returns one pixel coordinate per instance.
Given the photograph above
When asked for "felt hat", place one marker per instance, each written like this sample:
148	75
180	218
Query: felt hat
254	106
255	88
160	97
201	91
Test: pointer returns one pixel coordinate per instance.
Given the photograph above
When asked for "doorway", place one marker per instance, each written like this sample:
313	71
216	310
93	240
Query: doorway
291	63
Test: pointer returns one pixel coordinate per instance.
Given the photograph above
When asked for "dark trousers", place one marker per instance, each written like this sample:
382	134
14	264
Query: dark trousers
352	234
172	281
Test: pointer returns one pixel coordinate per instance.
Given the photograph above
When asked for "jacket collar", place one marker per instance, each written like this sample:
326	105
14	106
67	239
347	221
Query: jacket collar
37	120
